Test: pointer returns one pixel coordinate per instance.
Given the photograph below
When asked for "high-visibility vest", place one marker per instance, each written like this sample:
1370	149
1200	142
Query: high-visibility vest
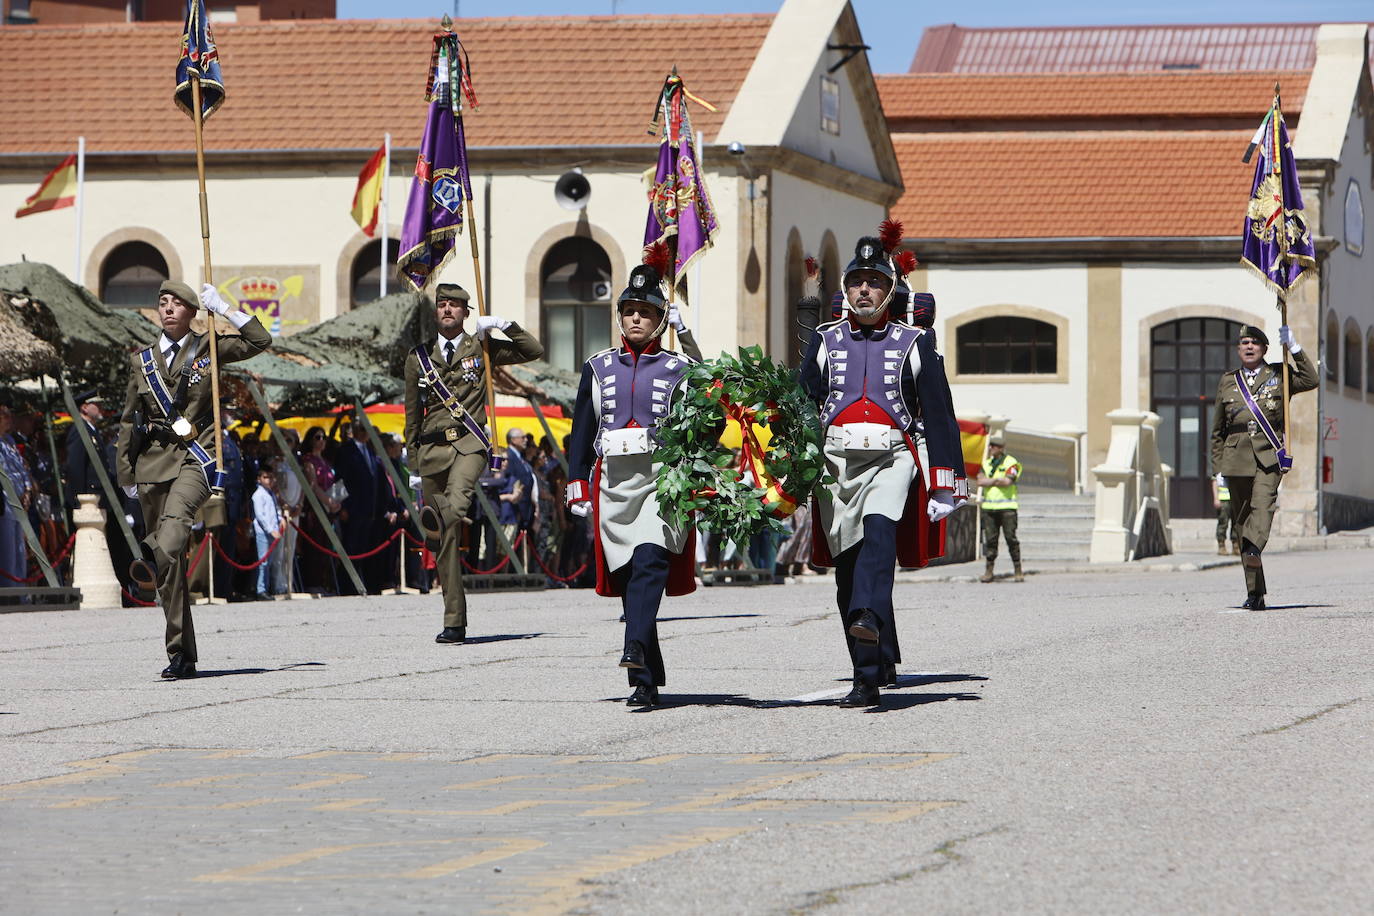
1001	497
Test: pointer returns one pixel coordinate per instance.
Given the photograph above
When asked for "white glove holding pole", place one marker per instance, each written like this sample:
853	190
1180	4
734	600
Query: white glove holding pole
581	509
485	324
675	319
214	302
131	491
1286	338
940	505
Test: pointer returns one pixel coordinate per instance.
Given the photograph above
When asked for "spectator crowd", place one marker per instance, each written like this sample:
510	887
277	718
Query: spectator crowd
269	541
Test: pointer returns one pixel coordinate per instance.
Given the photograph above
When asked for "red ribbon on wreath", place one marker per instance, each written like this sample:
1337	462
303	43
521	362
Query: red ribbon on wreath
777	502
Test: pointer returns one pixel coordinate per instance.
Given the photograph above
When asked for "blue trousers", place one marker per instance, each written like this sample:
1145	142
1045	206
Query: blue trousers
641	583
864	577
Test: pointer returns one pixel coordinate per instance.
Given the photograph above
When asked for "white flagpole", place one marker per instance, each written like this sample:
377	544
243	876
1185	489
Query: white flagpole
386	173
80	205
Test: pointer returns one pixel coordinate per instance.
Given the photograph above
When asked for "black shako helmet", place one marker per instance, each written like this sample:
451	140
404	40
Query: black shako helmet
869	254
646	285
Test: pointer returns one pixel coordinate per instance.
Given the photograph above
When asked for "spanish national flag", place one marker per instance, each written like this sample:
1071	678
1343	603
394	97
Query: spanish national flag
973	437
58	190
367	200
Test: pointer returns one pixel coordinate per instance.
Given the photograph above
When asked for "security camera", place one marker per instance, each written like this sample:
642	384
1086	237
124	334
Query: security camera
736	148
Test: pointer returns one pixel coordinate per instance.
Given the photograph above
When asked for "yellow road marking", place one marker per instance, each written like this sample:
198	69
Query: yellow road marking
507	847
200	781
494	781
729	793
602	786
336	779
565	885
388	756
610	809
343	804
95	768
661	758
224	754
253	803
899	813
86	801
494	758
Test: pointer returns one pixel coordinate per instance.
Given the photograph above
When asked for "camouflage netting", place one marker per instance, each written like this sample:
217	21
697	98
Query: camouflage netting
362	351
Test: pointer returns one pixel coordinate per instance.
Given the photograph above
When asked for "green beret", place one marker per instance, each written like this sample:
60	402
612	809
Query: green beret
181	291
450	291
1254	332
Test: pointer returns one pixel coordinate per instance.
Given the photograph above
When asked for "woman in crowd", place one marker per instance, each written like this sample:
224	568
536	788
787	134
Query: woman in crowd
316	566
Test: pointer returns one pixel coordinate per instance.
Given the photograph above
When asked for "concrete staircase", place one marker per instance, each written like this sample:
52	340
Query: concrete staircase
1055	528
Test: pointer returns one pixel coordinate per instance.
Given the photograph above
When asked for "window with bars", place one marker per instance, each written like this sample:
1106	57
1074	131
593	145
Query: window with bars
1007	346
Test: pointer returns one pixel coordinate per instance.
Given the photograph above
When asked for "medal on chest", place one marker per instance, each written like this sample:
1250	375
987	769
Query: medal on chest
470	368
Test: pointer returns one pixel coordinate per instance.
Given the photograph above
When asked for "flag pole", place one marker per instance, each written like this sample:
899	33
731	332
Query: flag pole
80	205
486	338
386	172
1283	248
198	116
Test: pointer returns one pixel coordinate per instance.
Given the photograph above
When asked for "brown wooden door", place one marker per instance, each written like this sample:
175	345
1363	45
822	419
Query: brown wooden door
1186	359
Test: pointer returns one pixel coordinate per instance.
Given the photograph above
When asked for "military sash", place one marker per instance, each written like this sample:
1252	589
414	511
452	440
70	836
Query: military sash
213	475
450	401
1285	462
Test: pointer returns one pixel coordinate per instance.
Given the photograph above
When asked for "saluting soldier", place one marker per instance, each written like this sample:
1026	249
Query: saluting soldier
446	428
880	383
624	394
166	446
1248	447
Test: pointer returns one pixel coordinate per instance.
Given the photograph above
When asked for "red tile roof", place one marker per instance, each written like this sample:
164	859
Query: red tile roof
1270	46
1062	96
1073	184
341	84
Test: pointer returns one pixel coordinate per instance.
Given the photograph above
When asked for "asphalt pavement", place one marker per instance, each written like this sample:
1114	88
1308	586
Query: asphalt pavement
1079	742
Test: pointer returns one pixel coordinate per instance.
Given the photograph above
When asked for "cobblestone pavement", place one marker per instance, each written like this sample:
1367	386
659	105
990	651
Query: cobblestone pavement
1076	743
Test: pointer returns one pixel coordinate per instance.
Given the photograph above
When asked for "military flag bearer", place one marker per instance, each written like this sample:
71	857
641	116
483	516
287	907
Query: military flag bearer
164	454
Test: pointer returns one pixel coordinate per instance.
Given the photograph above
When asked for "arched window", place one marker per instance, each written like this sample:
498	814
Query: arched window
575	291
1353	363
365	283
1333	348
131	274
1369	364
1007	346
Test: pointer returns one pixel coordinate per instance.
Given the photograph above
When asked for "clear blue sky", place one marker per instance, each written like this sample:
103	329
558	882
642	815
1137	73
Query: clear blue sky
893	27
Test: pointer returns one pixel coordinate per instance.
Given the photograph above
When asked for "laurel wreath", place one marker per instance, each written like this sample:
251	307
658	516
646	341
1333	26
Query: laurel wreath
698	474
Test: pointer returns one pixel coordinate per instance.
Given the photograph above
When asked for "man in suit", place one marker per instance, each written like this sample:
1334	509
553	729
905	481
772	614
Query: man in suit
1246	440
166	446
365	480
448	429
83	477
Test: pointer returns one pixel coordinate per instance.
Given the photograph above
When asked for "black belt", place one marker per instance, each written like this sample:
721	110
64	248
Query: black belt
1239	428
451	434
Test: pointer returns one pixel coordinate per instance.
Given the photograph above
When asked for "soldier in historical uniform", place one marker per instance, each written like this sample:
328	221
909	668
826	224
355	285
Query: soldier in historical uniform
625	392
1247	443
448	431
879	383
166	446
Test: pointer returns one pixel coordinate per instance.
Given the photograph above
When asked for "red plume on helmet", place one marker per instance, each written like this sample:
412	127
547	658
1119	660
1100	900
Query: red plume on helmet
812	268
890	234
905	262
658	257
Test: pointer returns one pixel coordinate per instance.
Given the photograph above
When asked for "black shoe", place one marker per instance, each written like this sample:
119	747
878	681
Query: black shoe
144	570
1253	602
179	668
890	676
633	658
643	696
452	635
860	696
431	526
864	627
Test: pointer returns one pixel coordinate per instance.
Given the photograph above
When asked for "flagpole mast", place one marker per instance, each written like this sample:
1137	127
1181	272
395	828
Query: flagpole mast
198	116
80	205
386	173
1283	257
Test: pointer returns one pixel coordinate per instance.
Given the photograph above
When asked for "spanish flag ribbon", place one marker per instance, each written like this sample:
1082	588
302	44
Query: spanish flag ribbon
776	500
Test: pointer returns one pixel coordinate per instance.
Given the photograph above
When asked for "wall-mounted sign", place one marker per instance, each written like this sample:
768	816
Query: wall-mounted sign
1354	219
285	298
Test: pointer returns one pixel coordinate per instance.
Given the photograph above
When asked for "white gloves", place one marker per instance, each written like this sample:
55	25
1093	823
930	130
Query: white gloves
675	319
212	300
940	505
1286	338
485	324
131	491
581	509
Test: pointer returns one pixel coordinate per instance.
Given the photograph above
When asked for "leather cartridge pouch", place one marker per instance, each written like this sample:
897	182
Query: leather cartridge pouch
866	437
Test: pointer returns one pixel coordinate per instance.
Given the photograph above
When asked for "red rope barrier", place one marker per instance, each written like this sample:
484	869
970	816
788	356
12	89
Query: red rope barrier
54	562
200	552
555	576
360	556
261	560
